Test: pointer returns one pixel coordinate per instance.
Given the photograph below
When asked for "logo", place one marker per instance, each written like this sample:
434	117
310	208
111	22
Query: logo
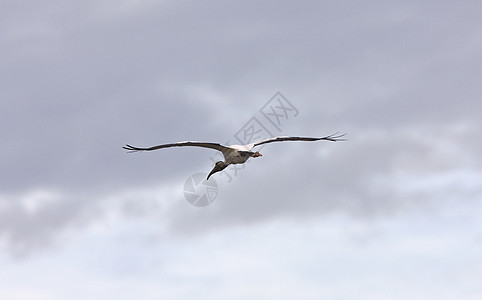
200	192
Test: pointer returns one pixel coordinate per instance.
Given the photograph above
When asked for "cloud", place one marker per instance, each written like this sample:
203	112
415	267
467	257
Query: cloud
33	221
80	80
364	177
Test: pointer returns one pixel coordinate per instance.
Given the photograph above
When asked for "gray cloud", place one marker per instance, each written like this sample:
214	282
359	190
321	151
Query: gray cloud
34	221
358	178
81	80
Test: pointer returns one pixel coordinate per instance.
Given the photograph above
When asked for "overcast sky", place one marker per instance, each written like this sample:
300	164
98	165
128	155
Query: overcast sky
392	213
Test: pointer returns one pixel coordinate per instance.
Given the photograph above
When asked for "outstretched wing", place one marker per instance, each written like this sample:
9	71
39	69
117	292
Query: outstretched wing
214	146
332	138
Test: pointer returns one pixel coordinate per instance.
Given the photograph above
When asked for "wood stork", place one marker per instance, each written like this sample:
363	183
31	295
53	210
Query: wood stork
237	154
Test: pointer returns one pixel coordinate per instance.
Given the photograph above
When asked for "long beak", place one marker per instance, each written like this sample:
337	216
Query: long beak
212	172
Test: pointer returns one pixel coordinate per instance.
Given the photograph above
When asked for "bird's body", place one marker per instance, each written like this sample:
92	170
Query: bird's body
235	154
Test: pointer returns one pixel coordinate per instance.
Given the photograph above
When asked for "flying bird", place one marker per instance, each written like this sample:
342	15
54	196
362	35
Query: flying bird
237	154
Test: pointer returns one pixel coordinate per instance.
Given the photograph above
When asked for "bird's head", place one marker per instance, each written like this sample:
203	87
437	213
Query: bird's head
219	166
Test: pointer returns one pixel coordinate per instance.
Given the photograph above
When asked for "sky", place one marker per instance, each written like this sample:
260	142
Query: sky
394	212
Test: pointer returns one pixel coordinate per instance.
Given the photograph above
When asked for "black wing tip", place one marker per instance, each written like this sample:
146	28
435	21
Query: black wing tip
131	149
335	137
